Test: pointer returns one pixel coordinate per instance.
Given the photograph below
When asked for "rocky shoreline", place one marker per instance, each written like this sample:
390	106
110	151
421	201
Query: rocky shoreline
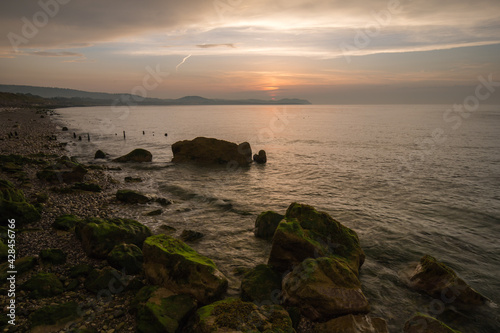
83	268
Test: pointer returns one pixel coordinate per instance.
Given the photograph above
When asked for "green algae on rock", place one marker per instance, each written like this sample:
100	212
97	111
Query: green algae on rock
53	256
127	257
13	205
54	315
261	284
65	222
171	263
266	224
43	285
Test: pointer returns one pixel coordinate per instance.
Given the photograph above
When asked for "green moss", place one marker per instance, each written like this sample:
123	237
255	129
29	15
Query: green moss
143	295
54	314
126	256
43	285
65	222
53	256
260	284
103	279
13	205
79	270
266	224
435	268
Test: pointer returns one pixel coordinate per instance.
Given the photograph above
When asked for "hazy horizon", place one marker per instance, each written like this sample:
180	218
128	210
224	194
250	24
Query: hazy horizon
328	52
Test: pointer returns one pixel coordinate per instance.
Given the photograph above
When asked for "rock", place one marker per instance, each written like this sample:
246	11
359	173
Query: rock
42	197
53	256
65	222
324	288
163	201
80	270
100	236
190	235
126	257
155	212
234	315
136	155
63	172
133	180
171	263
307	233
13	205
104	279
209	151
4	250
352	324
99	154
260	158
22	265
51	315
421	323
64	129
164	312
261	284
168	229
438	280
43	285
89	187
266	224
131	197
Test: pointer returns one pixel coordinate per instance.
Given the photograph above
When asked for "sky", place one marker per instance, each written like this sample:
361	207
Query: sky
326	51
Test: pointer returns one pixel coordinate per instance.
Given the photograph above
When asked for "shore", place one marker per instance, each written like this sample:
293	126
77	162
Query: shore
30	133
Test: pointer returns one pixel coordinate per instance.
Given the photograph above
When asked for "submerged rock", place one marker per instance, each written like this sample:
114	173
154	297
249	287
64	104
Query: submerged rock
421	323
190	235
260	158
353	324
438	280
234	315
136	155
99	154
324	288
261	284
170	263
13	205
209	151
131	197
266	224
126	257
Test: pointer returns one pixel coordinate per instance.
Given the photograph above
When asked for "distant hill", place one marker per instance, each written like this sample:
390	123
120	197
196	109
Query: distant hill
72	97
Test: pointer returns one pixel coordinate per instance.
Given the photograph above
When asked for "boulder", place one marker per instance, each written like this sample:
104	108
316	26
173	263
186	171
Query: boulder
64	171
89	187
164	311
209	151
43	285
261	284
261	157
438	281
170	263
99	154
79	270
155	212
421	323
22	265
352	324
190	235
53	256
104	279
131	197
305	232
100	236
234	315
324	288
65	222
136	155
126	257
55	316
129	179
13	205
64	129
266	224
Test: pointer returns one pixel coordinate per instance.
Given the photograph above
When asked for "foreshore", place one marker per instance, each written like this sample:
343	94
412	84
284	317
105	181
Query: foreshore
30	133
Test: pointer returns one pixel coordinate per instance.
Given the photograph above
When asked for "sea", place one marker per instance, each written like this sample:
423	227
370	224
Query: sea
409	179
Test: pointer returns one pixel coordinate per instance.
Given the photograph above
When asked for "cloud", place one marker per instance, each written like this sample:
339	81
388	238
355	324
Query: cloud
208	46
55	54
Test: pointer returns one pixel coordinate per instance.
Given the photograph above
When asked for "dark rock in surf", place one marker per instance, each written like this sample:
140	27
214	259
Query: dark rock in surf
266	224
136	155
64	129
190	235
209	151
131	197
99	154
260	158
421	323
353	324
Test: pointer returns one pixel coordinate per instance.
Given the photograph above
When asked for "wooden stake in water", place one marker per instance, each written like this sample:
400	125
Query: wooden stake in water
124	138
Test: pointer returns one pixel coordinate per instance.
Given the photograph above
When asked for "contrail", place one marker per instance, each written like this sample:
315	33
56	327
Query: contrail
183	61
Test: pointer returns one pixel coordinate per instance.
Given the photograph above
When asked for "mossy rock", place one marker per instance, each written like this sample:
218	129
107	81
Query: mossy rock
136	155
80	270
104	279
22	265
171	263
421	323
53	256
100	236
4	250
131	197
65	222
234	315
266	224
126	257
324	288
67	172
43	285
164	312
261	284
13	205
352	324
89	187
438	280
54	315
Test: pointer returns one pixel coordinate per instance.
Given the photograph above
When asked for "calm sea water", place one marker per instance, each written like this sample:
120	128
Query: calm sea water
411	180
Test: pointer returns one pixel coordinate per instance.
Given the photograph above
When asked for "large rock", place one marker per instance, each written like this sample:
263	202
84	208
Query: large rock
307	233
266	224
161	310
261	284
100	236
131	197
324	288
352	324
234	315
99	154
261	157
211	151
421	323
53	317
13	205
171	263
53	256
126	257
136	155
64	171
106	278
43	285
440	281
65	222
